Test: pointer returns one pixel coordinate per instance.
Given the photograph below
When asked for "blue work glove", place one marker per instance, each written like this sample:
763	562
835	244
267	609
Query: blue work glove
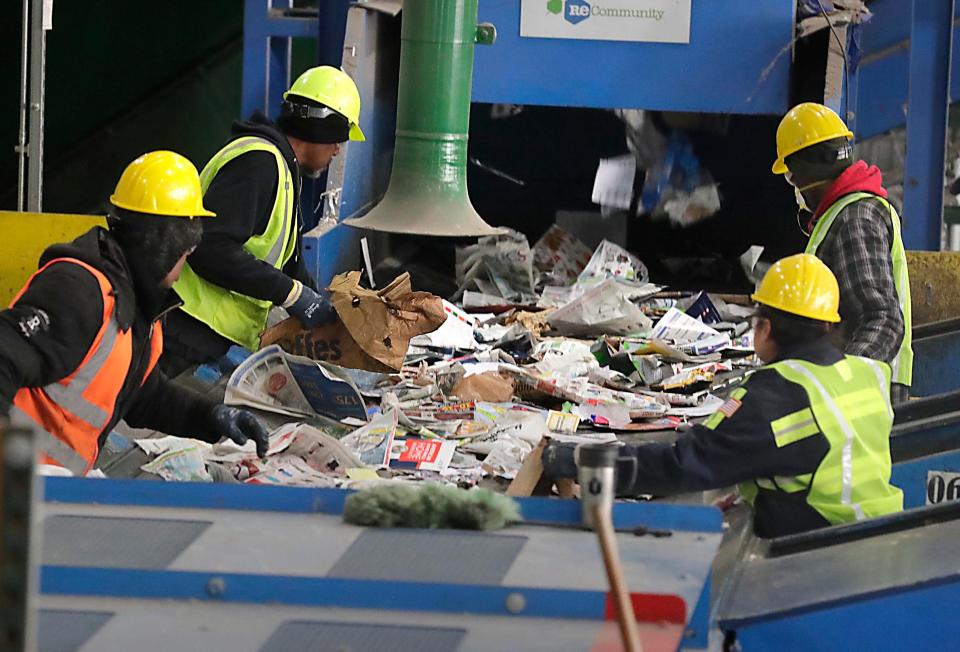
239	426
309	307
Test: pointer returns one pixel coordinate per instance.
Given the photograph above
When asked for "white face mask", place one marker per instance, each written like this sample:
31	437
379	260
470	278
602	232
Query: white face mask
801	200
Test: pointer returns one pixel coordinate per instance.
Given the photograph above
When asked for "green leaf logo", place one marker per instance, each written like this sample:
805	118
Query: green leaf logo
555	6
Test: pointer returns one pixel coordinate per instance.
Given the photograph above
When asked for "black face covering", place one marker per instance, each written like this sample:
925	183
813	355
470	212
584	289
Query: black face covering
153	244
826	160
295	121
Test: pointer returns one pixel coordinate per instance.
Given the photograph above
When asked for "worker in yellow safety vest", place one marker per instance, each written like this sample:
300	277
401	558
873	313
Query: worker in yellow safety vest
250	257
806	437
855	230
79	344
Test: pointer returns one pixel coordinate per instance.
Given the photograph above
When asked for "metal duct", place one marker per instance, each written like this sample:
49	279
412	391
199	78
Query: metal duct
427	194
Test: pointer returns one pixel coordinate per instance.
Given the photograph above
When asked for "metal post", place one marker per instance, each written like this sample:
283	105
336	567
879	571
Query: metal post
854	33
278	66
18	550
930	53
255	48
331	33
21	148
38	64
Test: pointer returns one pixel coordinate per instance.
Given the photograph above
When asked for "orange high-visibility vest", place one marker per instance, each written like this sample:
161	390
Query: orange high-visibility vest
74	412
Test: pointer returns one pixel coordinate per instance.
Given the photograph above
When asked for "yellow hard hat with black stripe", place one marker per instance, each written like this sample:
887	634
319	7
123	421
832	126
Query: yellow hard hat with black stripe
333	88
805	125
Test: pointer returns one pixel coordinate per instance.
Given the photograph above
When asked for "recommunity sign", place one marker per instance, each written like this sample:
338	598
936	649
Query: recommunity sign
649	14
662	21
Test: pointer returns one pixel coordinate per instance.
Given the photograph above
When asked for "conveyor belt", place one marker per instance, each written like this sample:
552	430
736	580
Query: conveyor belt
887	584
186	566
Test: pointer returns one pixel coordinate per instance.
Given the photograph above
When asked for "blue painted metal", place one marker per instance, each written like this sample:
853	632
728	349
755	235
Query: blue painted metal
920	618
367	164
693	518
330	32
883	88
719	70
931	38
911	476
907	65
321	592
697	634
266	53
937	362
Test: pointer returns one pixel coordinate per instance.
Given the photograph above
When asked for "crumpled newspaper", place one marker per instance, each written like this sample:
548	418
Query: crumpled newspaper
498	270
603	310
611	261
560	257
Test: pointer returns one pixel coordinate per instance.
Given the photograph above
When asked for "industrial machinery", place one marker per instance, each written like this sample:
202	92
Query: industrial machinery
885	584
153	566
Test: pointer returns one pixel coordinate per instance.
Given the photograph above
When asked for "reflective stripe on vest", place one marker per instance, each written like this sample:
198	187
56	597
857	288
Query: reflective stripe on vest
902	364
75	410
850	405
237	317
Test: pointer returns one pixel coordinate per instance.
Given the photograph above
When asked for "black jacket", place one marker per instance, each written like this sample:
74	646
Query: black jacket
242	195
742	448
46	335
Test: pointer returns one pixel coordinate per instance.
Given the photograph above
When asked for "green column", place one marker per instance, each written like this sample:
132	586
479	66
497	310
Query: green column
428	185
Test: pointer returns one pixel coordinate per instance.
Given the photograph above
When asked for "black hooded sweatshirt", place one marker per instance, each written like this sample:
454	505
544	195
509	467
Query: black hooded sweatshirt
242	195
46	334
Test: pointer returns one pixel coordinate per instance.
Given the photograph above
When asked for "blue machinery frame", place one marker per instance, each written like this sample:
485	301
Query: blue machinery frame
890	72
908	75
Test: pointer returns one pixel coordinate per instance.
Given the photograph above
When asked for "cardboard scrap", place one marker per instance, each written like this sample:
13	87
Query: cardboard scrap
375	327
489	386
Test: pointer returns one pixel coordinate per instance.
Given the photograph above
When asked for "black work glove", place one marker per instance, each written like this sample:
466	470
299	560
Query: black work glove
310	308
559	460
239	426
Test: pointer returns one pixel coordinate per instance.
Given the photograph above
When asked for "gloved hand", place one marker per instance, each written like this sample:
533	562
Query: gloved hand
309	307
239	426
559	460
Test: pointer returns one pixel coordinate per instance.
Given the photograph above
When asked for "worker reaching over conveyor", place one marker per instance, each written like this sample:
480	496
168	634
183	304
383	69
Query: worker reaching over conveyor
250	258
806	437
79	346
855	231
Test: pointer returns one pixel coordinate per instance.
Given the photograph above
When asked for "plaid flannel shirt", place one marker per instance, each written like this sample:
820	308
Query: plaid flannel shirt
857	250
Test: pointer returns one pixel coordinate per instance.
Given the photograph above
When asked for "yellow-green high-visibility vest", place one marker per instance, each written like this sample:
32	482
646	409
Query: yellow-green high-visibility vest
903	362
850	405
238	317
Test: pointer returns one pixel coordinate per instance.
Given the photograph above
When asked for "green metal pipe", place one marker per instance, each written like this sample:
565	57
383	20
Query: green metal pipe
428	184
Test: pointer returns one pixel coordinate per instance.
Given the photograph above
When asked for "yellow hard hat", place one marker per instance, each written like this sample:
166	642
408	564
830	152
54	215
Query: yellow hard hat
161	183
801	285
805	125
333	88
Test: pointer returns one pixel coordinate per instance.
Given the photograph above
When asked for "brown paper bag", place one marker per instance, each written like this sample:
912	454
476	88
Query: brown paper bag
374	330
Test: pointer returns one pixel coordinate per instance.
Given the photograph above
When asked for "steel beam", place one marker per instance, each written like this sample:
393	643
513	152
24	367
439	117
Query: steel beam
267	32
38	65
931	36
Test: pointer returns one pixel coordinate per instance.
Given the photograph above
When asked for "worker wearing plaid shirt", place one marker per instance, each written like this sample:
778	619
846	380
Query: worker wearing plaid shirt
856	232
